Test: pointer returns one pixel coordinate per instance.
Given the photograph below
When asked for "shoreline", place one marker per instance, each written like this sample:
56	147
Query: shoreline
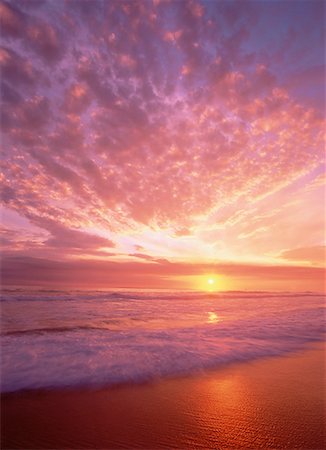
272	402
203	372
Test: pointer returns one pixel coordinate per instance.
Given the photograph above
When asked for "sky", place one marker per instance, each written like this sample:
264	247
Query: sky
159	144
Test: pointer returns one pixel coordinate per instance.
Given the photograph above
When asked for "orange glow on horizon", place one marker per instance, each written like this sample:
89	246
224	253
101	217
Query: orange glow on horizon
211	283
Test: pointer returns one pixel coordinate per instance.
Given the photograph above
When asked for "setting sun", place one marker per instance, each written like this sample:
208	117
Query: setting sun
209	283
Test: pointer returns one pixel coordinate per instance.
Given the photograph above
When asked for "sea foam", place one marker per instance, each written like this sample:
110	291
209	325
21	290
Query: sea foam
91	339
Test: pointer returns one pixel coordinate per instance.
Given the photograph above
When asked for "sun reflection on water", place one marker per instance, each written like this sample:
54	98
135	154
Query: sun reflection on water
212	317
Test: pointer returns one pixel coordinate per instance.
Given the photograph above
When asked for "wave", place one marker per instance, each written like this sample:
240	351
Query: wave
85	375
68	329
94	358
132	337
57	295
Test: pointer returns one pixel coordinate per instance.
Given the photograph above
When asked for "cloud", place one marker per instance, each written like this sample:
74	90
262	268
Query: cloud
128	118
17	69
68	238
11	19
315	255
35	33
44	39
65	237
149	258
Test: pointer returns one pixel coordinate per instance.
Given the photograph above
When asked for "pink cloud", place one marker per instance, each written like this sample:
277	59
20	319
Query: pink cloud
315	255
44	40
16	68
183	119
12	20
77	98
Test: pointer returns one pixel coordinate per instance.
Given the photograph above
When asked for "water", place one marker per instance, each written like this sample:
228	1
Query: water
55	339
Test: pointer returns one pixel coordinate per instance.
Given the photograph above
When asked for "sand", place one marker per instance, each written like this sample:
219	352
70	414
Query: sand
277	402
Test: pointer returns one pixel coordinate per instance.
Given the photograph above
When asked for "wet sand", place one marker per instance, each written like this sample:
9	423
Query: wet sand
277	402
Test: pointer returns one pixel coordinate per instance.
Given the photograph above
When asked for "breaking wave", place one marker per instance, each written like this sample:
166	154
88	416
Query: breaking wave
67	339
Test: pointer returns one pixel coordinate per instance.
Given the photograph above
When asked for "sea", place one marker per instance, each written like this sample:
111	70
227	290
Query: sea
90	339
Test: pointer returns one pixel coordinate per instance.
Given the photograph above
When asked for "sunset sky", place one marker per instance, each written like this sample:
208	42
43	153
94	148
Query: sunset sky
156	144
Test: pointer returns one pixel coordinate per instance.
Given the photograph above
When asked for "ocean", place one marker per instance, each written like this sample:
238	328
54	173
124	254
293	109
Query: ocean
92	339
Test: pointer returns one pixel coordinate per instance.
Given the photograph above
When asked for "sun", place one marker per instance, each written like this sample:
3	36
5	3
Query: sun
211	284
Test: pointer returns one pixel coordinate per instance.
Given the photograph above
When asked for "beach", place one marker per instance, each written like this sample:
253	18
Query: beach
274	402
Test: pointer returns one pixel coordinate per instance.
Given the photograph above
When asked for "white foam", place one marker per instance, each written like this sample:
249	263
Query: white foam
98	339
